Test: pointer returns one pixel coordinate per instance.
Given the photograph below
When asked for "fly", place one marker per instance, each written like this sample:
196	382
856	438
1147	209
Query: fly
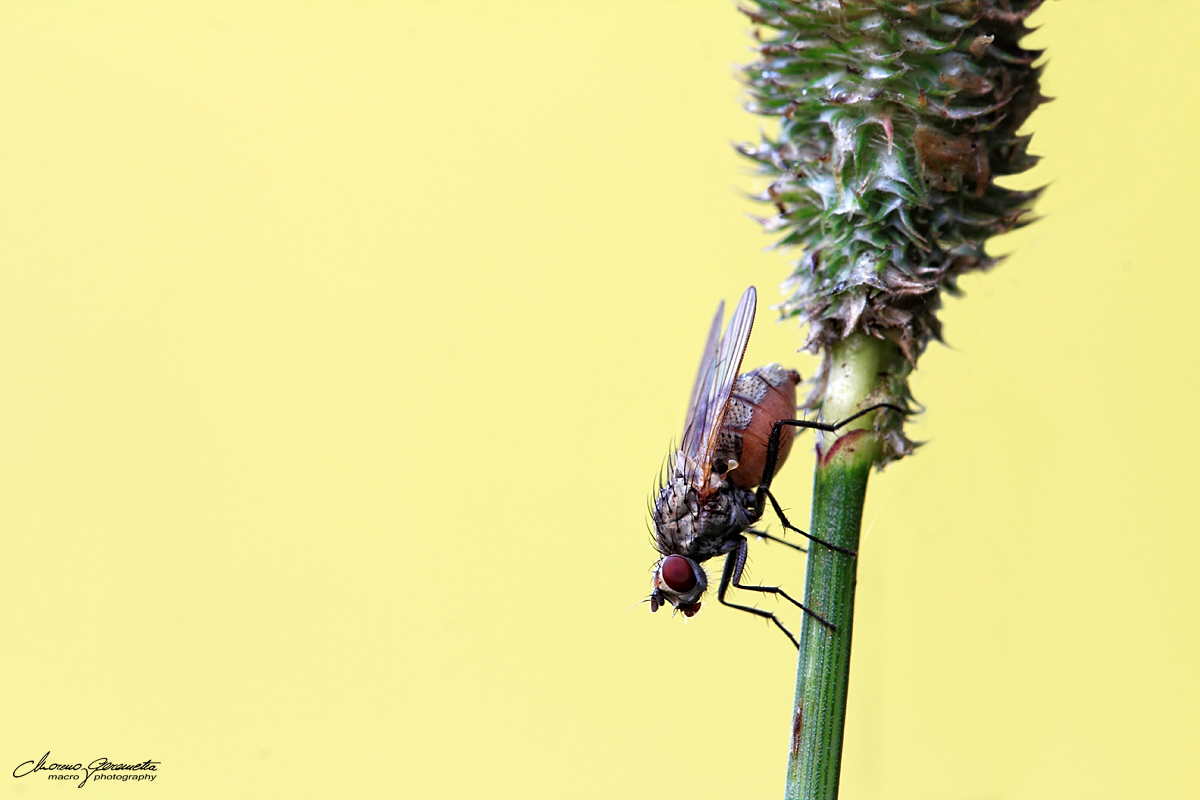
737	435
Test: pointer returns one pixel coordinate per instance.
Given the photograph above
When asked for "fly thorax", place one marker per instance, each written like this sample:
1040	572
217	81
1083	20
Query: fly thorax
676	512
726	514
741	508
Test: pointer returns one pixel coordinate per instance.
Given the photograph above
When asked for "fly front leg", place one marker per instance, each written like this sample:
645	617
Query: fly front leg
763	493
735	562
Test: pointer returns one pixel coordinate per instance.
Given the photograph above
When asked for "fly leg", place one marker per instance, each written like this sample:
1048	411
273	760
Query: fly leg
763	493
735	562
789	526
765	535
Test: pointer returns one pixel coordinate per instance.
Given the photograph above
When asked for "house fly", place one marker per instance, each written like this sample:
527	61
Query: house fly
737	435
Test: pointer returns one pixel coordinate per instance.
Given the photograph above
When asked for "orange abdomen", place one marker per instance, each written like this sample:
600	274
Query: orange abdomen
761	397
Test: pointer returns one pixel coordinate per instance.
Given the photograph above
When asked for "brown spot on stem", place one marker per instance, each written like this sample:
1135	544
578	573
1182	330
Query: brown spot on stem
797	729
849	443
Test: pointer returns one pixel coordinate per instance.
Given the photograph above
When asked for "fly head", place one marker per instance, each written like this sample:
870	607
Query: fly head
678	581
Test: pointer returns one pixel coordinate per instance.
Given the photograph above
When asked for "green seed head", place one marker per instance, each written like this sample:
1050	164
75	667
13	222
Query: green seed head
896	118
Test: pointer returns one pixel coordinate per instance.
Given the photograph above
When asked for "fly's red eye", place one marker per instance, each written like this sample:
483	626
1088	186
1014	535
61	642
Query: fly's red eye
677	573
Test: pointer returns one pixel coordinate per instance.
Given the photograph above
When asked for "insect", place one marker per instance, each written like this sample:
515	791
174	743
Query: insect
736	437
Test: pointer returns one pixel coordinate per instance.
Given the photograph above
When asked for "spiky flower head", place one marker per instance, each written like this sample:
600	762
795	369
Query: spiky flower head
896	118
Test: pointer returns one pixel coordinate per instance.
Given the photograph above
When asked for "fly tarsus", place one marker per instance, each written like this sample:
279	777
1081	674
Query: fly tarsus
790	599
735	562
783	518
767	614
769	537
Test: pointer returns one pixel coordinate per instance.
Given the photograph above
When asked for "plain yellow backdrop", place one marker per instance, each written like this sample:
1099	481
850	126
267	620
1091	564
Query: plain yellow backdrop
340	344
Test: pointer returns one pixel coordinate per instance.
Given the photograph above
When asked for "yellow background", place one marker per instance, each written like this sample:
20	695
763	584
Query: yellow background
340	345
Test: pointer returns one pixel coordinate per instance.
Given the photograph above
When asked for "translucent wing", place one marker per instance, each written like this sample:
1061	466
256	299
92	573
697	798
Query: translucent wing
693	426
724	372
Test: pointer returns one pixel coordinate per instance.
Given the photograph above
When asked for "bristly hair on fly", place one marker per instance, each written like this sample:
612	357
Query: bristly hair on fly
663	470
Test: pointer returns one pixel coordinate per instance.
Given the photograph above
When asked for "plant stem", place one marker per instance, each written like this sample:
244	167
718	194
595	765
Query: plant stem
856	375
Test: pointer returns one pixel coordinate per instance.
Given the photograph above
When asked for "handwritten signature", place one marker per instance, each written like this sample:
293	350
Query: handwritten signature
99	765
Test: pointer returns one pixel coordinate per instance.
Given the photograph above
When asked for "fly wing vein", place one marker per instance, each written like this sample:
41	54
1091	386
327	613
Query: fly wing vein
693	425
724	374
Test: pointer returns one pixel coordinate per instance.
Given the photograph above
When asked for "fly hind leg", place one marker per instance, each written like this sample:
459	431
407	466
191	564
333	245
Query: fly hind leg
735	562
763	493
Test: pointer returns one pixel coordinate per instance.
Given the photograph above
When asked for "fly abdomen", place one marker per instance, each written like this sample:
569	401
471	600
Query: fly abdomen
761	397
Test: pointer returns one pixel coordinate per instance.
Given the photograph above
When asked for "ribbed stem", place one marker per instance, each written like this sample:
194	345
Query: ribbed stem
840	487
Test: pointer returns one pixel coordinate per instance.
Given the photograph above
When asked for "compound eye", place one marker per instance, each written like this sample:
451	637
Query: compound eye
678	574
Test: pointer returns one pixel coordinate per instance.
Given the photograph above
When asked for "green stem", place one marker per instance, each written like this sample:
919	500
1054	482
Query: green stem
856	376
